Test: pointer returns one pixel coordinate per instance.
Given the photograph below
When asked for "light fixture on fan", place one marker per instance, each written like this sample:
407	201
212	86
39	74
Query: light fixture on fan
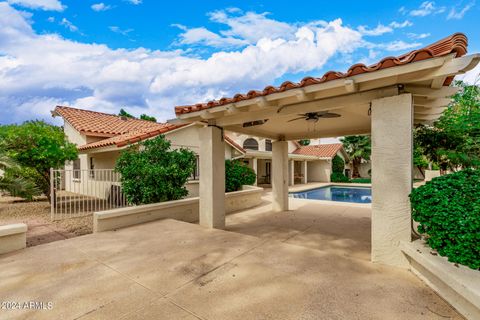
315	116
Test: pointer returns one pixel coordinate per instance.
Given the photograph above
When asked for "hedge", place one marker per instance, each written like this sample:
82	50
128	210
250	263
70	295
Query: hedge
237	174
448	210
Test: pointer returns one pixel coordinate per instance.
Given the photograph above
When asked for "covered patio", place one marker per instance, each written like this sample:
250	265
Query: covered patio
300	264
385	100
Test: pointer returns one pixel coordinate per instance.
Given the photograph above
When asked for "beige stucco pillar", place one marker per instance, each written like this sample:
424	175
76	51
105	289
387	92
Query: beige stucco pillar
392	121
291	172
212	178
305	172
255	169
280	176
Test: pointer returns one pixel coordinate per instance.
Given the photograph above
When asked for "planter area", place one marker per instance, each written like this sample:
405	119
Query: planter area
459	285
184	210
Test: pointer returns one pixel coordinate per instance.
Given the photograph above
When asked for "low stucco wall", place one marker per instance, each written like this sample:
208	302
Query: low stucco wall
460	286
13	237
184	210
430	174
193	188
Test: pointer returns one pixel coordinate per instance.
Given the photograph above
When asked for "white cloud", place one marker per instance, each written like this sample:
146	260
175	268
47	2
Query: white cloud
399	45
412	35
399	25
69	25
427	8
54	5
243	29
51	19
454	14
135	2
38	70
100	7
382	29
116	29
203	36
377	31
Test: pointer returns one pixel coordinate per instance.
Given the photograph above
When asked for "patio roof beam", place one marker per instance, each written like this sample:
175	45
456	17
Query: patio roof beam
431	103
310	106
444	92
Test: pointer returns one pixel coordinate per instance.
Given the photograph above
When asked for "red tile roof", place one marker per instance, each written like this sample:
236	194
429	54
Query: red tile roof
321	150
130	137
456	43
234	144
104	124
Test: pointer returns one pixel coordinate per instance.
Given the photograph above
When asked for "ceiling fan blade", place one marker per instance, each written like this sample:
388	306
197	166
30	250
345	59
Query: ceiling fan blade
296	119
329	115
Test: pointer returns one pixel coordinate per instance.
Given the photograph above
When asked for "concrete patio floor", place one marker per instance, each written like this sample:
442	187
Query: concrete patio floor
309	263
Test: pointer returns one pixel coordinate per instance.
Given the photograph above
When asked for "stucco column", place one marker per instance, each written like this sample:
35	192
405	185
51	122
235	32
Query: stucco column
392	122
280	175
212	178
291	173
255	169
305	172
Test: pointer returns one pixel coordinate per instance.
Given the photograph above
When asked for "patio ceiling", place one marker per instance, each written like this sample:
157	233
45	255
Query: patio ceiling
269	113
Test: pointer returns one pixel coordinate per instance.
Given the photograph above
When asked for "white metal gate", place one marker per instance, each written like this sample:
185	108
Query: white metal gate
76	193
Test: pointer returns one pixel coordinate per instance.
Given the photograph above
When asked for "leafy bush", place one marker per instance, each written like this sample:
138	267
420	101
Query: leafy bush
448	210
361	180
237	174
153	172
36	146
338	165
338	177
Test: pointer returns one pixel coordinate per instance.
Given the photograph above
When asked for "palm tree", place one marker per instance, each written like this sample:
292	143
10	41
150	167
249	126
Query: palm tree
358	148
12	182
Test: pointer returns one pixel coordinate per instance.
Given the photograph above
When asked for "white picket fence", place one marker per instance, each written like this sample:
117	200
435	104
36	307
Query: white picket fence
77	193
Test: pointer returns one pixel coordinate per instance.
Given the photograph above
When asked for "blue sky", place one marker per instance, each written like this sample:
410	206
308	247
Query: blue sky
148	56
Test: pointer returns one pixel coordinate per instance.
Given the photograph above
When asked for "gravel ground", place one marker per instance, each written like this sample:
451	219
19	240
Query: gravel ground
40	228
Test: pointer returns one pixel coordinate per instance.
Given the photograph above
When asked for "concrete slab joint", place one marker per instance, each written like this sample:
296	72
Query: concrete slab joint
392	122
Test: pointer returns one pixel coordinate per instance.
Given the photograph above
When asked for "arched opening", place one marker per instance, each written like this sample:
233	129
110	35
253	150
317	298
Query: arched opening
250	144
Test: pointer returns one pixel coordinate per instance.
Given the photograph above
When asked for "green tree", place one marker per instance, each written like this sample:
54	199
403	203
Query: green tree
453	142
237	174
37	146
124	113
153	172
148	118
12	181
358	148
304	142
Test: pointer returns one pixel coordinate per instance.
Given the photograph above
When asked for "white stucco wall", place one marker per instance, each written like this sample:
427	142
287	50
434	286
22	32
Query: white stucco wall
319	171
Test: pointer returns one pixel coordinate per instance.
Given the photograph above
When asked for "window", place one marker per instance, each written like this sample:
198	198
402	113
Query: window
92	168
196	171
76	169
268	145
250	144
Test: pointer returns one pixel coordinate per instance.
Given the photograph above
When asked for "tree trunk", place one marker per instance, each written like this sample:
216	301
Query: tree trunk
355	164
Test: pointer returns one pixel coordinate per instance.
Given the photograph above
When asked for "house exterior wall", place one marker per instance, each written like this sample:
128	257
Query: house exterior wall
319	171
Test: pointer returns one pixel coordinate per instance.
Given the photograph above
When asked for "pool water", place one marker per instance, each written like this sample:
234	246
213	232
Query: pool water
337	193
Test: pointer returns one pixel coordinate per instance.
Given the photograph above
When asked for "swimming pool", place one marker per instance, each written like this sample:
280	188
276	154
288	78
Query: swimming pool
337	193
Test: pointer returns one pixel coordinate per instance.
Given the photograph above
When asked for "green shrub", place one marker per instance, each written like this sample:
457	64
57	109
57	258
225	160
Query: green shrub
338	165
338	177
237	174
361	180
448	210
156	173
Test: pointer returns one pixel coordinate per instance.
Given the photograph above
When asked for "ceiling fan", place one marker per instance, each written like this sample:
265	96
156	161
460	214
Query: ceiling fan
315	116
